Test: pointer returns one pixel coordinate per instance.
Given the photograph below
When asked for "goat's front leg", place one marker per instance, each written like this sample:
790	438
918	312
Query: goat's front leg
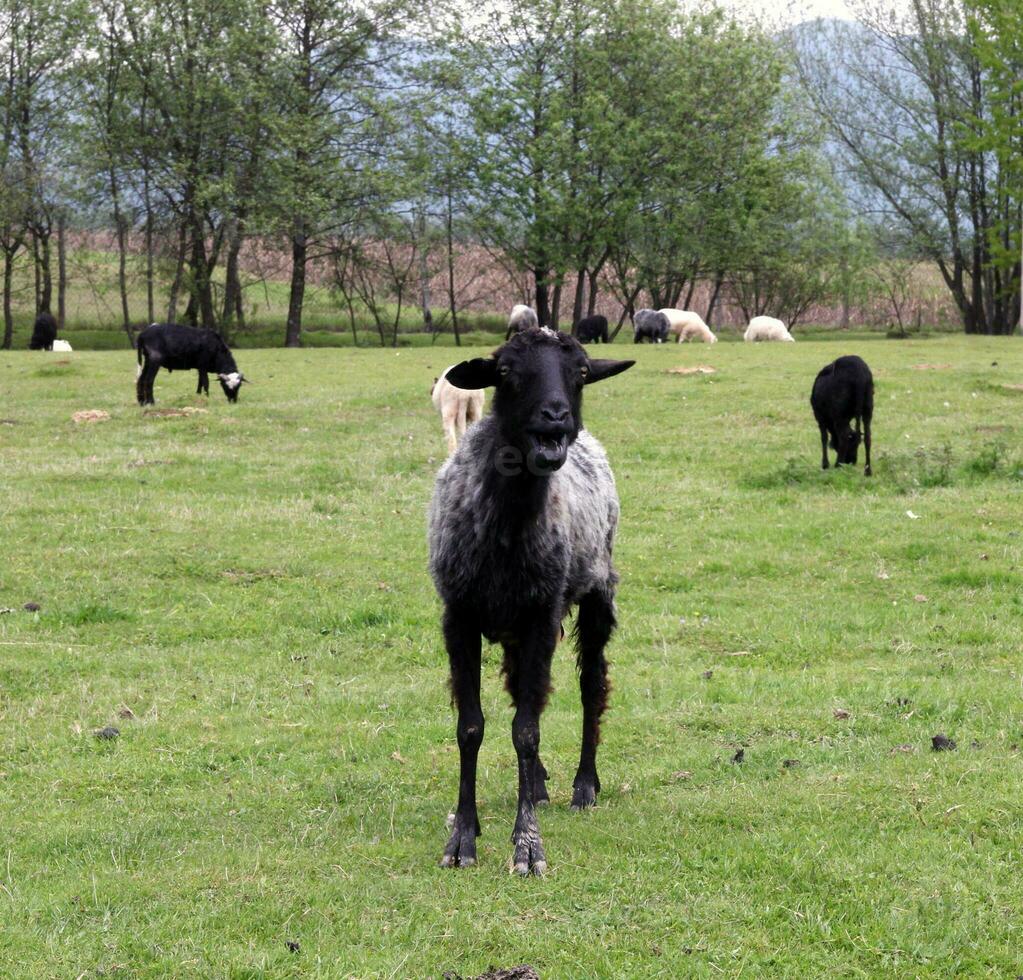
530	683
462	638
204	383
824	447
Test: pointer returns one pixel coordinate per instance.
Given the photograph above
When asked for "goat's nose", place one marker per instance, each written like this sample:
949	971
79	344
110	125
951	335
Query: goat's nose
554	413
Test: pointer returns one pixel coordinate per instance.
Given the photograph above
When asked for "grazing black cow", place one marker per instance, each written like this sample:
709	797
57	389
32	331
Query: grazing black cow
177	348
591	329
44	332
843	391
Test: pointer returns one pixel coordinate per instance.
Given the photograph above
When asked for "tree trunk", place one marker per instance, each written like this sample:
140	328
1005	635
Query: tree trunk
555	306
719	279
37	272
202	287
232	281
424	274
543	309
122	279
8	316
449	234
577	302
591	301
179	270
61	272
628	310
46	271
299	253
150	277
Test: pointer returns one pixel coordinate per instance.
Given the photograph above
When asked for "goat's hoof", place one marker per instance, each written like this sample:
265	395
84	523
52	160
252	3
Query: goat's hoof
528	856
532	860
584	796
868	472
522	869
460	851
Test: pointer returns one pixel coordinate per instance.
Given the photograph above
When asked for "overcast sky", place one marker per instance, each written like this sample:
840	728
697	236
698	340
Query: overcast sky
791	11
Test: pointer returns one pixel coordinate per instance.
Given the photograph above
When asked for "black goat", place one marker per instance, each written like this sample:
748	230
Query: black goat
591	329
178	348
843	391
522	525
650	325
44	332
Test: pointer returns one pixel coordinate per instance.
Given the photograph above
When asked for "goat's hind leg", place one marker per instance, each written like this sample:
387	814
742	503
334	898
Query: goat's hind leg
144	384
463	642
594	626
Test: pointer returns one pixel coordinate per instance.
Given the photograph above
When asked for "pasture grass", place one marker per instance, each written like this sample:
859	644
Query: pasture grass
242	592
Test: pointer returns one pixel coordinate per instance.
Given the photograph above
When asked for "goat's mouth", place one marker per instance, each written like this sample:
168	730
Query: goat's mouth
547	451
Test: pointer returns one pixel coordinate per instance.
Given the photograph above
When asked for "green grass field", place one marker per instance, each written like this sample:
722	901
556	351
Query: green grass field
242	592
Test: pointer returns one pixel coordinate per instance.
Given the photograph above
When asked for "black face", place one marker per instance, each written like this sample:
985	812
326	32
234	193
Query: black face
539	376
232	393
848	446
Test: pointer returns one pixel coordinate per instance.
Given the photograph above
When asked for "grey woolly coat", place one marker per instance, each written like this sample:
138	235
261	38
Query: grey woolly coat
498	555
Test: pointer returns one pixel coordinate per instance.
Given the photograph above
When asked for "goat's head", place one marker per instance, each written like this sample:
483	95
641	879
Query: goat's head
539	377
848	446
231	382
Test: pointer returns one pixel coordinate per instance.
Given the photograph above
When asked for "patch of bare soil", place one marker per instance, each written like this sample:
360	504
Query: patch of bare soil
695	369
91	415
170	413
930	367
523	972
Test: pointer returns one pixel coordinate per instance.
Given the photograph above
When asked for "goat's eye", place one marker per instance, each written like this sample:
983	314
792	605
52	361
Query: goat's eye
584	371
503	370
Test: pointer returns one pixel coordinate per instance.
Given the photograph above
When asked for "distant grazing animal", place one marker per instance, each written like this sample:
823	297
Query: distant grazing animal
592	329
62	345
458	408
177	348
521	318
650	325
44	332
767	328
688	325
843	391
521	528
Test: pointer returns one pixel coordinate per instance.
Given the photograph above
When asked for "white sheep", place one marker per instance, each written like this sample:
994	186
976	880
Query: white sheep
521	318
687	325
767	328
62	345
457	406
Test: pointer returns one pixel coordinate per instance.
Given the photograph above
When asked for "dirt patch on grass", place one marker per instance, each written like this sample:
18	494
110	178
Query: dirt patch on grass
930	367
173	413
90	415
1008	387
523	972
139	463
695	369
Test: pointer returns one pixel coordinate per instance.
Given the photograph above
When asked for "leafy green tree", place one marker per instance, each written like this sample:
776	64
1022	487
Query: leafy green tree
906	99
996	28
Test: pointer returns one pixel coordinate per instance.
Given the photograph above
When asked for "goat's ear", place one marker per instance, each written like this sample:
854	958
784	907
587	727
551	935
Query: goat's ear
480	372
601	369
